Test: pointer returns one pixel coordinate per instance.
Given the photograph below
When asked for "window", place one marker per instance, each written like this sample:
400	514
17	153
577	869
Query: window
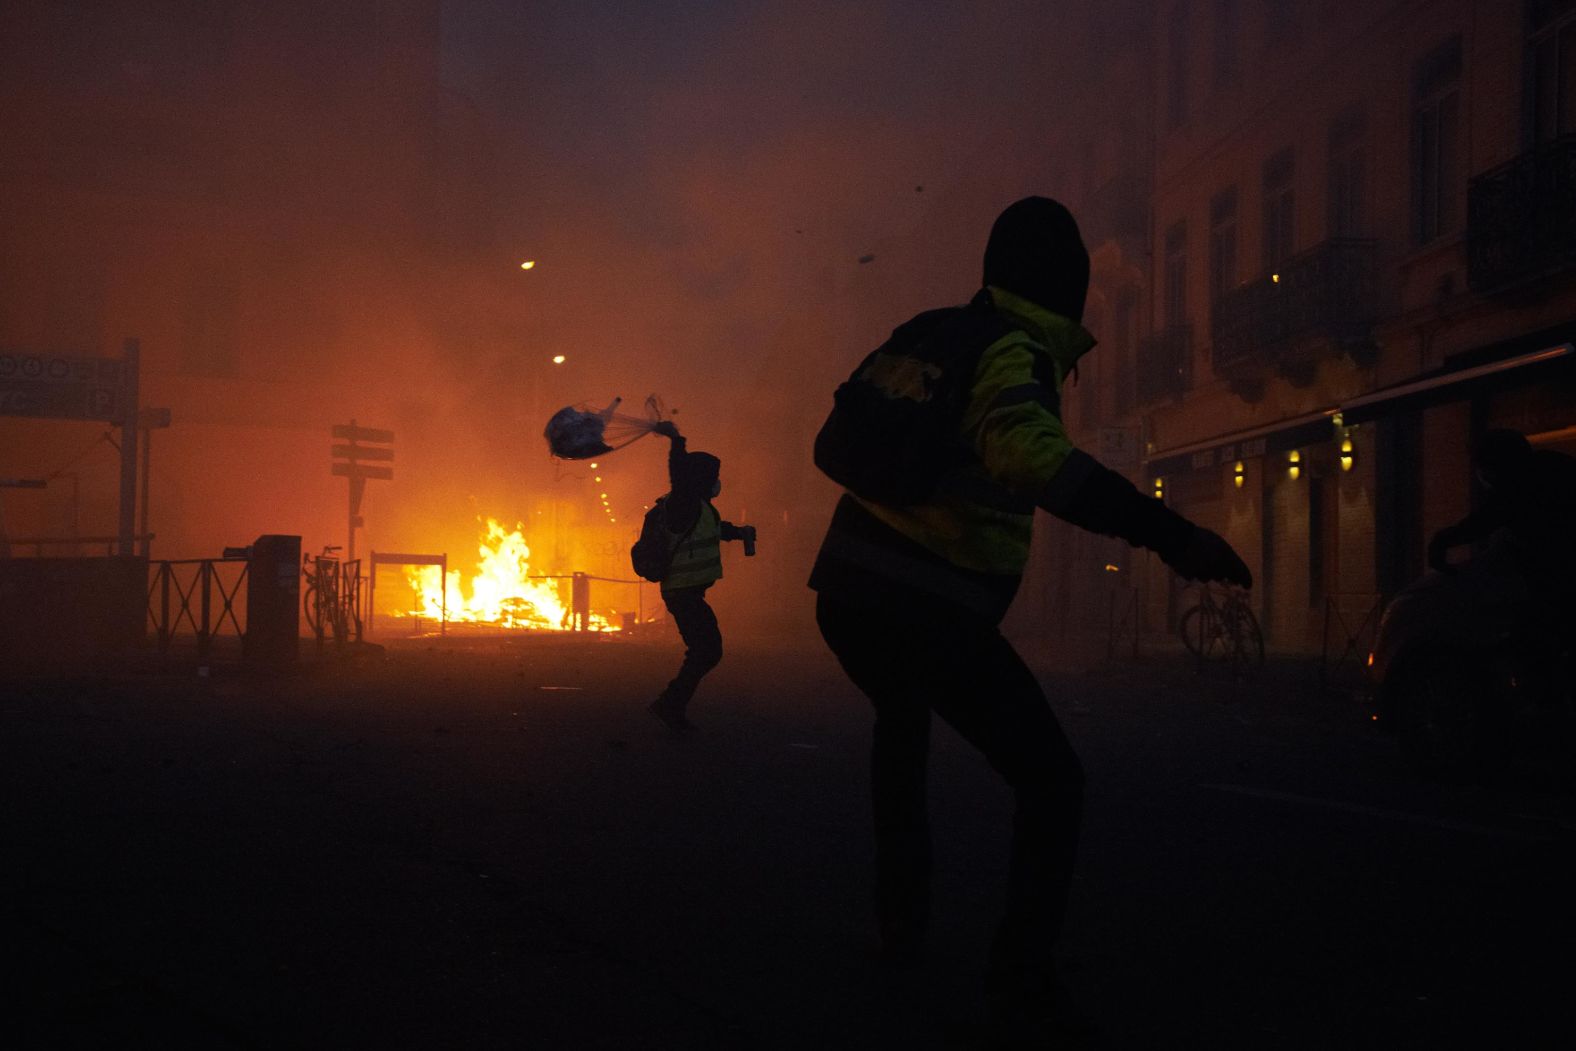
1176	75
1436	143
1280	210
1222	243
1176	275
1227	30
1348	174
1551	69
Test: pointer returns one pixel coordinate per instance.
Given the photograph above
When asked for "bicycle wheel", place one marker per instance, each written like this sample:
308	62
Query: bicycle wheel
1247	642
310	607
1201	633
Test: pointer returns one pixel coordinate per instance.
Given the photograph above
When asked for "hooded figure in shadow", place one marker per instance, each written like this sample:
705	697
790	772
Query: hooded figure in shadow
696	531
911	595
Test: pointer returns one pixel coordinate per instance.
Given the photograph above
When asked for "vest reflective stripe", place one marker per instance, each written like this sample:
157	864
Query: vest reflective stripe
698	560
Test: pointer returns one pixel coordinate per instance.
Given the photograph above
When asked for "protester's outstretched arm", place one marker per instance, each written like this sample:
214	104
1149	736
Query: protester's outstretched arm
676	452
1091	496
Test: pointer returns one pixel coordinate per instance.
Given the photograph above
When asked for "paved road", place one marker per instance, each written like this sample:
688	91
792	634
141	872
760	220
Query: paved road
490	845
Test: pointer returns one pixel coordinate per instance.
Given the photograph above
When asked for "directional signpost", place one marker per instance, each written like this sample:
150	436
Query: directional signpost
360	453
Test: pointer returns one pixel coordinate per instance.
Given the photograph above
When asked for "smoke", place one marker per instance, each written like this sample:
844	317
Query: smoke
308	217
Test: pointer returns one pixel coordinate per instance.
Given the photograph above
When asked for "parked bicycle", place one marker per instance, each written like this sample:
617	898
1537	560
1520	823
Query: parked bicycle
320	597
1222	628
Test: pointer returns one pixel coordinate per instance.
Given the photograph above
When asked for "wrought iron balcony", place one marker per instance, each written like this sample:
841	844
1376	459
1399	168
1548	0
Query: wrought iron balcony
1521	218
1318	304
1165	364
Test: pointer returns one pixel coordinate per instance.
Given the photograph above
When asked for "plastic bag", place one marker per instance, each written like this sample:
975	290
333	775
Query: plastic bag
580	432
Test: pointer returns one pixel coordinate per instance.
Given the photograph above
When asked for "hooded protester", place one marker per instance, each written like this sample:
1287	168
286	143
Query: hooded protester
911	595
696	531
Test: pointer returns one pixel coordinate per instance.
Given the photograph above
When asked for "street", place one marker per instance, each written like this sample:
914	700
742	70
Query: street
488	843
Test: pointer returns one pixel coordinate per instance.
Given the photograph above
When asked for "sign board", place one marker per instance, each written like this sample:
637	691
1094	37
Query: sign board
352	433
1119	447
60	386
357	470
362	452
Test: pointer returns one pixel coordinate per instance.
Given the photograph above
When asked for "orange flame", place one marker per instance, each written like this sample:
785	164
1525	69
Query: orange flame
502	592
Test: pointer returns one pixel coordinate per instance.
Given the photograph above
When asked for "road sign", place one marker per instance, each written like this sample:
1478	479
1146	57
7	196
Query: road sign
362	452
352	433
357	470
61	386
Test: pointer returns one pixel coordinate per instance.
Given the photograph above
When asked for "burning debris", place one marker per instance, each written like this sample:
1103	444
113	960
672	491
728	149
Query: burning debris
503	593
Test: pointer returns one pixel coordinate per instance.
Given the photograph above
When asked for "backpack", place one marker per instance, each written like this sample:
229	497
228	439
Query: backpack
652	554
893	430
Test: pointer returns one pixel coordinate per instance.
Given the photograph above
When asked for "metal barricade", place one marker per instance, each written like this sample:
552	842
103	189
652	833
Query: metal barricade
1351	621
198	594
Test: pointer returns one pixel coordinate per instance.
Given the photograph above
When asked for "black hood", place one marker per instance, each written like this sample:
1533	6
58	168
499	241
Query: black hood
1035	251
701	471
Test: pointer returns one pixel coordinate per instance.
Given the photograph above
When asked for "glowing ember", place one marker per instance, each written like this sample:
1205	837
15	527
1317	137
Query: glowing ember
502	593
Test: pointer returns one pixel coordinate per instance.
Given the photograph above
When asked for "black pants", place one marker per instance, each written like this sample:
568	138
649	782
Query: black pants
702	641
970	675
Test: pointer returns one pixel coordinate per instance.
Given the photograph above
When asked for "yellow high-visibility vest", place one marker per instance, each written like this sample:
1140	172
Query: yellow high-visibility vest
697	561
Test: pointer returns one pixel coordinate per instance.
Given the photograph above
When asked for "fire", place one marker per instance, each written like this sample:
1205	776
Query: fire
502	593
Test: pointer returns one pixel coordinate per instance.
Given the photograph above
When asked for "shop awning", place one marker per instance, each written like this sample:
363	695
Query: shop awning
1299	431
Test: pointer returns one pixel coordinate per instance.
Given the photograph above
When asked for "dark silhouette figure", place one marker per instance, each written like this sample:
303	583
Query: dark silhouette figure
696	530
1528	504
910	599
1530	493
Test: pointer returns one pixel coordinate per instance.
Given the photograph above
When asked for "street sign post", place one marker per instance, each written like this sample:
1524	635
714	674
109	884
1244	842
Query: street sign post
359	445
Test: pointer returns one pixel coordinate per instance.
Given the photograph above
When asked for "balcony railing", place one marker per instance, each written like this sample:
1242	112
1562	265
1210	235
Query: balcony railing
1521	218
1165	364
1319	303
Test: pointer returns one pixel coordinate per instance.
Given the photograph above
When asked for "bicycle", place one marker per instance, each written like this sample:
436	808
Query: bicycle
321	593
1223	629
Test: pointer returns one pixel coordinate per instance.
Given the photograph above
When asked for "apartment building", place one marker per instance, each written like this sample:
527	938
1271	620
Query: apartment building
1362	254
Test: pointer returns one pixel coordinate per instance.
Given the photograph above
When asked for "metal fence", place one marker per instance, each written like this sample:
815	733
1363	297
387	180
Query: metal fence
203	598
1351	623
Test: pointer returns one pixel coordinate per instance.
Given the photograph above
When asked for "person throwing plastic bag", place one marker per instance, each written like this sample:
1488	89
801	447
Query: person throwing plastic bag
696	531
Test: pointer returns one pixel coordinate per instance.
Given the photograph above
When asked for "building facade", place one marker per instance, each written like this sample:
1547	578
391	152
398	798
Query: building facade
1360	256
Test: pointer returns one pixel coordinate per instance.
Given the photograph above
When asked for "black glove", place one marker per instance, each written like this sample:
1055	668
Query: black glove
1207	556
665	428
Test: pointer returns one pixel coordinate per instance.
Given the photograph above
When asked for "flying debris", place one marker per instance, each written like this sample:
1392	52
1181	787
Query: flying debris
579	432
866	259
